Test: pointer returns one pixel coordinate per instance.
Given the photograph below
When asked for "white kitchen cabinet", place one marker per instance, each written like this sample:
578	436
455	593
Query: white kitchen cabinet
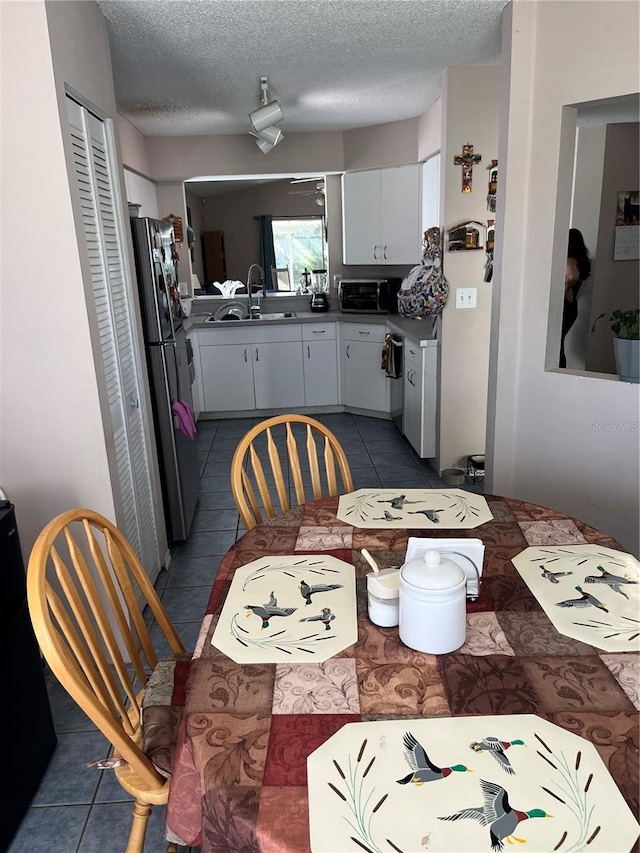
420	394
227	377
381	218
278	375
320	361
365	384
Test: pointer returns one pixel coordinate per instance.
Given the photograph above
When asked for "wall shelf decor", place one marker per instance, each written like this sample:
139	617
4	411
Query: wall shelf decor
467	160
468	236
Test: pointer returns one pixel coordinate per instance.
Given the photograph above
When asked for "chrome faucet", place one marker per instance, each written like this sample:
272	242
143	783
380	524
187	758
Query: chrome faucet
254	310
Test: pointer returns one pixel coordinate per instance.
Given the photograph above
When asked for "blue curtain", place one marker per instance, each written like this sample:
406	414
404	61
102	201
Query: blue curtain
267	250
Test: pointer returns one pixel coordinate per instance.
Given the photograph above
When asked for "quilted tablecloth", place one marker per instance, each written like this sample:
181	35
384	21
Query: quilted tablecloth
240	775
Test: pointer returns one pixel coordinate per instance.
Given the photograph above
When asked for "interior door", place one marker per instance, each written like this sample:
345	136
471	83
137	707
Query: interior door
116	357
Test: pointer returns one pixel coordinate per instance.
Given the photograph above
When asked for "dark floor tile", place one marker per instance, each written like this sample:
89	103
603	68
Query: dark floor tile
216	499
208	425
68	780
110	790
391	479
109	825
67	714
380	448
187	631
206	542
218	483
214	519
161	580
194	571
186	603
234	428
50	830
365	478
217	468
225	444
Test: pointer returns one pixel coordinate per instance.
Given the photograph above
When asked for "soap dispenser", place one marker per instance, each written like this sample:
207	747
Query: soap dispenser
433	614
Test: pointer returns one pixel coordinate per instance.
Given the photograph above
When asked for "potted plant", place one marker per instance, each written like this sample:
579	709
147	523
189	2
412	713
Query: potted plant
625	325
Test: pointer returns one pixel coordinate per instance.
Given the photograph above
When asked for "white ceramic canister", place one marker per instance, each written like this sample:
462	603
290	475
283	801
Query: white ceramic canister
433	614
383	597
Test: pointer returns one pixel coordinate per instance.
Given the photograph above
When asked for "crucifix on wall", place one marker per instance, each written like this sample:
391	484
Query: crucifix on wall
467	160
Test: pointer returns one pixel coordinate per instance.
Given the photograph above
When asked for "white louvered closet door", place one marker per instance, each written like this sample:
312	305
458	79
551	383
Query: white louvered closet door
115	352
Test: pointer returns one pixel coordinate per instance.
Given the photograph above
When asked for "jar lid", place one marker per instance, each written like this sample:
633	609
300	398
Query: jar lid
432	571
384	584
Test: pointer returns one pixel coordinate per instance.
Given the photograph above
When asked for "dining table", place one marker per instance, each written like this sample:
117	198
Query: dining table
239	778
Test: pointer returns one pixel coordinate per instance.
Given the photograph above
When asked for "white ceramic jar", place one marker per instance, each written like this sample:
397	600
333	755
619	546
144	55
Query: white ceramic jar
383	597
433	614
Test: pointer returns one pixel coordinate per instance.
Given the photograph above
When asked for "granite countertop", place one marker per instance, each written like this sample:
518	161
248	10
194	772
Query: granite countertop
420	332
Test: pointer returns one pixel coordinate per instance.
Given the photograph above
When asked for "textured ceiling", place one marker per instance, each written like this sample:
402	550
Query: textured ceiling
189	68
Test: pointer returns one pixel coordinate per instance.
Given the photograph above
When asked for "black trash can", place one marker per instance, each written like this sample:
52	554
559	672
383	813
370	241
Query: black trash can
25	715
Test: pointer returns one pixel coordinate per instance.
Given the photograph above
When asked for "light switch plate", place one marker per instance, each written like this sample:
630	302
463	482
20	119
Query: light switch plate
466	553
466	297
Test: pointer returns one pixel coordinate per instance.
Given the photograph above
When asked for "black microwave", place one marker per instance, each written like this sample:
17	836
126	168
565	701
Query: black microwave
369	295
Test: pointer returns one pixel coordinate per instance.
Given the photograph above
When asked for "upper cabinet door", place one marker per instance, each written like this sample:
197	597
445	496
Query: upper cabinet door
381	216
400	215
361	217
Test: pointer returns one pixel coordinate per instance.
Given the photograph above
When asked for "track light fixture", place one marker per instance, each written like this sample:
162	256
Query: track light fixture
263	120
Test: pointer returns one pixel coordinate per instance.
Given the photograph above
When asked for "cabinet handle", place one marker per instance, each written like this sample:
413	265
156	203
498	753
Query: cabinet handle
375	257
348	356
412	373
384	252
412	351
245	356
364	333
318	331
257	355
308	351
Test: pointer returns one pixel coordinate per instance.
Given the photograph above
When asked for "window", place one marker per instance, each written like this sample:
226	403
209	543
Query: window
299	244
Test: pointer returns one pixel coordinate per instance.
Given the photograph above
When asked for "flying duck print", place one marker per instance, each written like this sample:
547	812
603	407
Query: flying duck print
307	591
269	610
552	577
326	617
387	517
398	502
496	749
432	514
422	769
612	581
585	600
497	814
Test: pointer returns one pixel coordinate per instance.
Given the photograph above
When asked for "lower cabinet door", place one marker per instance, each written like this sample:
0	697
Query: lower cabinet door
320	359
278	375
365	383
227	378
412	414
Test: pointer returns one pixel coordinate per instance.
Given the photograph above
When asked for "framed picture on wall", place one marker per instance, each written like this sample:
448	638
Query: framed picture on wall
627	240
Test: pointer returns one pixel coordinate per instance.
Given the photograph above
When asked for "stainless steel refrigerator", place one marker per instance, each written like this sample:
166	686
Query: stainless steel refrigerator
170	364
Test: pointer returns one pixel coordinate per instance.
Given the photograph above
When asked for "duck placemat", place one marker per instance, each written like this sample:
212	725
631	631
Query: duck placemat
469	784
589	592
294	609
414	508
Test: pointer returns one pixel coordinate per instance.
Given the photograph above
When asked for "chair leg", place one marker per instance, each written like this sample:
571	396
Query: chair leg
141	812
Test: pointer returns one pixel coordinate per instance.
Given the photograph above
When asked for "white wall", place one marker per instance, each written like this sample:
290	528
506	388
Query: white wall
553	436
143	192
52	452
469	115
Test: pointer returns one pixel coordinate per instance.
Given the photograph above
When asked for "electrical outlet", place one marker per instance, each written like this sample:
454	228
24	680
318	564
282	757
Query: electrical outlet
466	297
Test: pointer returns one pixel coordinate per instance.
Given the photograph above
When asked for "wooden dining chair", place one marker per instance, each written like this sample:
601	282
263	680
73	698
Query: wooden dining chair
86	589
250	482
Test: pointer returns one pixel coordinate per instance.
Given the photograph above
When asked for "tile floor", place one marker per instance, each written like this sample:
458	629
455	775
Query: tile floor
82	810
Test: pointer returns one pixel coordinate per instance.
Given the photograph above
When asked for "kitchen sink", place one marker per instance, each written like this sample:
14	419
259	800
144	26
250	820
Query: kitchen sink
281	315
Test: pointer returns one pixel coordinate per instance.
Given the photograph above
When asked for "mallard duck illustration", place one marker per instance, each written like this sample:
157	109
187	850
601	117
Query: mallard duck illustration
269	610
432	514
613	581
586	600
326	617
307	591
553	576
422	769
497	814
387	517
496	749
398	502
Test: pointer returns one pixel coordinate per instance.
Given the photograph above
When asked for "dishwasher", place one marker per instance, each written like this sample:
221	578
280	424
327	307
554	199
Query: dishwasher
394	368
